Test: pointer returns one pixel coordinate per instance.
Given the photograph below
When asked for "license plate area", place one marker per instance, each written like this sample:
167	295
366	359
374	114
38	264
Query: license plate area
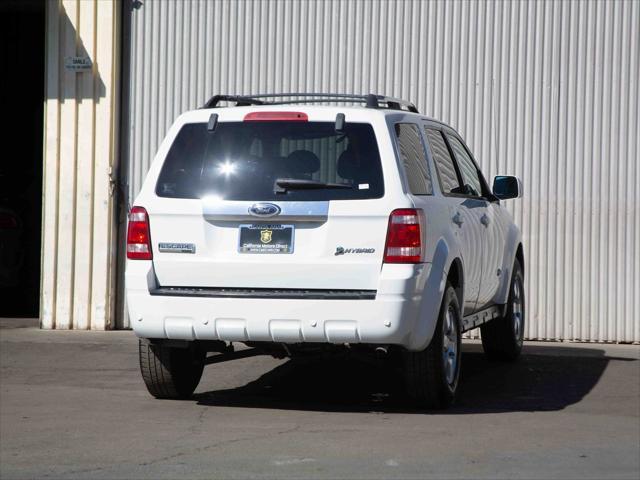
265	238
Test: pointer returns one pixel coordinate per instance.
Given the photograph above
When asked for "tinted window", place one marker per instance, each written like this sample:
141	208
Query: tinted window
243	160
413	158
444	164
468	169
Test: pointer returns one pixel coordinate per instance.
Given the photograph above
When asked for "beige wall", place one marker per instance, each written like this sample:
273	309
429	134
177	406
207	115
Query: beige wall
80	149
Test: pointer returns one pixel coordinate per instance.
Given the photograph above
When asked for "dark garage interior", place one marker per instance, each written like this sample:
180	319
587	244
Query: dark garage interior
22	47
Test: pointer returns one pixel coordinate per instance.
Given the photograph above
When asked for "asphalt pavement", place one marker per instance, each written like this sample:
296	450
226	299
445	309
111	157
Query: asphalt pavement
73	405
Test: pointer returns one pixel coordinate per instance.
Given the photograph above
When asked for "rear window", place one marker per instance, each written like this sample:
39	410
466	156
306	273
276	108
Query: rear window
244	160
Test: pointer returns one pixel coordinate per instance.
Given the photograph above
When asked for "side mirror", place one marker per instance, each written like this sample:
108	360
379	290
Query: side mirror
506	186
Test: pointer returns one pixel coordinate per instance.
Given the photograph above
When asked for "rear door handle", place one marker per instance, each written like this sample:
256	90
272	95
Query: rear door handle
457	219
484	219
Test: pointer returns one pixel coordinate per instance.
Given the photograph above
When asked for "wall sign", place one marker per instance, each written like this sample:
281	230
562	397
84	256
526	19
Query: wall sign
77	64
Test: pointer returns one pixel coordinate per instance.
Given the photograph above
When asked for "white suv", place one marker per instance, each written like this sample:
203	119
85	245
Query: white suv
295	228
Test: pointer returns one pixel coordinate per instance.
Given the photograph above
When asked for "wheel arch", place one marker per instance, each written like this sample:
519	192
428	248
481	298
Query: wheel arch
455	276
520	256
447	266
513	250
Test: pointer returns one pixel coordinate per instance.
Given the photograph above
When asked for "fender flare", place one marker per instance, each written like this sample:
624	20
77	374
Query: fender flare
513	245
433	293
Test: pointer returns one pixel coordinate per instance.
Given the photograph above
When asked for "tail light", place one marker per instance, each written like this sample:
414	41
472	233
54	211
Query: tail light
404	237
138	236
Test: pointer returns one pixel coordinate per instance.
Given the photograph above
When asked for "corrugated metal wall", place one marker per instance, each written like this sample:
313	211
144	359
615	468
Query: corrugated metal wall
544	90
78	249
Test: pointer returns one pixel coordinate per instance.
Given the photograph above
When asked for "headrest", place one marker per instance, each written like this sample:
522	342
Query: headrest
303	162
348	164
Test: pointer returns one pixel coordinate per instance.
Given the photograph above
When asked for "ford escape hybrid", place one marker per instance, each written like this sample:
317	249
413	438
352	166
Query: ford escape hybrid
295	228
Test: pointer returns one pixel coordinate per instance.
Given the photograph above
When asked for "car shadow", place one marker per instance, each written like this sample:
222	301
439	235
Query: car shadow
543	379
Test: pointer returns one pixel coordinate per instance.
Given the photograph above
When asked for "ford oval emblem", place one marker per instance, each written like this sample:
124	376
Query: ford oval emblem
264	210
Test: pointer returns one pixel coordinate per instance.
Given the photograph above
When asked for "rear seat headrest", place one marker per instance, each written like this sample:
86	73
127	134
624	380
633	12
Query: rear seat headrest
303	161
348	164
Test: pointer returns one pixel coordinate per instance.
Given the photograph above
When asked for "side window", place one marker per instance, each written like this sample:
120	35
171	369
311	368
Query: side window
467	167
413	158
444	164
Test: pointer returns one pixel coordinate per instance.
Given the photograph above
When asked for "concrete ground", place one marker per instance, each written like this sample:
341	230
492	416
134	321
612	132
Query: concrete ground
72	405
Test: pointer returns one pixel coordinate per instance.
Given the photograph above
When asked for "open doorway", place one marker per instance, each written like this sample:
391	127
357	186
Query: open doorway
22	57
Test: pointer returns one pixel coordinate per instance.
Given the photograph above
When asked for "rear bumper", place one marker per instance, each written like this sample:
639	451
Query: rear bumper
389	318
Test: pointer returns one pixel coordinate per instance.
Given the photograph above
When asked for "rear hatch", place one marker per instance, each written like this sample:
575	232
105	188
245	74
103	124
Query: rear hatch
270	203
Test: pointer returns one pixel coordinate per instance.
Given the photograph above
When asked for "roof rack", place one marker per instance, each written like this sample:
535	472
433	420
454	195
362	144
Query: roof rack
370	100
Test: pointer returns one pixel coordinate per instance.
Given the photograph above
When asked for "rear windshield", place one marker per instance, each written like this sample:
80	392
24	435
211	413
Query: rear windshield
246	161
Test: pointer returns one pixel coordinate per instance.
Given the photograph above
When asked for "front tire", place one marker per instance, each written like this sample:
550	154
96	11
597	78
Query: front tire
170	372
502	338
432	375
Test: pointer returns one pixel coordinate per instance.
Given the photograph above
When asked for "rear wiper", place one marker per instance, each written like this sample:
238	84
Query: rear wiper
284	184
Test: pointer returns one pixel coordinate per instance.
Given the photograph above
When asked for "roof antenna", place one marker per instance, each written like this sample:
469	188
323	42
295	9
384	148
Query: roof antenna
340	123
213	122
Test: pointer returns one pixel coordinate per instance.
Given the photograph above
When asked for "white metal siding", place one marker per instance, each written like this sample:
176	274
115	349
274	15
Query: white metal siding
547	91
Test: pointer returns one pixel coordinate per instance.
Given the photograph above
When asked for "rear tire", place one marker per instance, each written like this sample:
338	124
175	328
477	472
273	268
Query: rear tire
431	376
502	338
169	372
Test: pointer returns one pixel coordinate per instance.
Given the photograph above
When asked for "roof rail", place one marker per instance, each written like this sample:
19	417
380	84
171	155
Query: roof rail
370	100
